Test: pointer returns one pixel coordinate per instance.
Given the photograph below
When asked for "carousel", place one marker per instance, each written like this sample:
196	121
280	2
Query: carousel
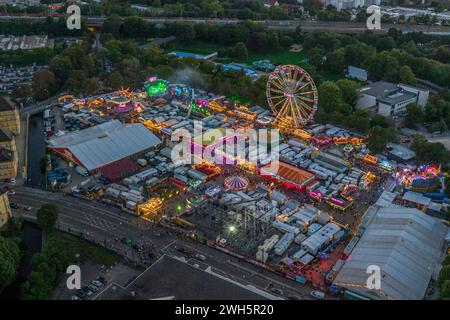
236	183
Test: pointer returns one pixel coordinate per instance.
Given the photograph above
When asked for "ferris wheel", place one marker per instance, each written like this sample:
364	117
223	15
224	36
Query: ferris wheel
292	96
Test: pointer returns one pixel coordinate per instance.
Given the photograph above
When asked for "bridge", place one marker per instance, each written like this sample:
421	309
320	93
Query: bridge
306	26
36	108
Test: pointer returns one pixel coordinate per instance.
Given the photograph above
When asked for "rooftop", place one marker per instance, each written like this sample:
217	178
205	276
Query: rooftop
5	105
106	143
407	246
400	151
182	282
387	92
416	197
5	135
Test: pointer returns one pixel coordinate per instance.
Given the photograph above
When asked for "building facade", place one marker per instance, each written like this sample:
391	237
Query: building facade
389	99
8	155
5	210
9	117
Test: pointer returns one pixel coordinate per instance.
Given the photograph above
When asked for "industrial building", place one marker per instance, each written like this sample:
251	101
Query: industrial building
104	144
408	247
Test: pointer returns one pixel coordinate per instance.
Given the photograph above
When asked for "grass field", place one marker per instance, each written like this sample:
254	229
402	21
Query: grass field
69	245
194	47
281	57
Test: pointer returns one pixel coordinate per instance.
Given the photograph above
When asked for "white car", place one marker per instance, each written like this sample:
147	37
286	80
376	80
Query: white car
75	298
318	294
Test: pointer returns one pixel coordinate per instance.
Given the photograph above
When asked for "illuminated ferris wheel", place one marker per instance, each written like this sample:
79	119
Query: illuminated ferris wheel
292	96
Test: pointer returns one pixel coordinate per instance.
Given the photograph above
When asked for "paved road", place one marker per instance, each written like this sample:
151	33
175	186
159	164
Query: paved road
105	225
307	26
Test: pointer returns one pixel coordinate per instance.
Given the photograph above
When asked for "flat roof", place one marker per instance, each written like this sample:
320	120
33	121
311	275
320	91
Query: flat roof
388	92
169	277
407	246
106	143
400	151
416	197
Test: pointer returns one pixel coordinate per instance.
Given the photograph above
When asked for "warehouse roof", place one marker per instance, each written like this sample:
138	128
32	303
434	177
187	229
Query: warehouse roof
106	143
406	244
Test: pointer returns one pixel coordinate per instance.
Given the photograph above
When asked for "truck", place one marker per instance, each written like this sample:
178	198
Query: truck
82	171
142	162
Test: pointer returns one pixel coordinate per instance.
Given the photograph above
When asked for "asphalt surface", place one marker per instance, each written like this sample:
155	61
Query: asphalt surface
107	225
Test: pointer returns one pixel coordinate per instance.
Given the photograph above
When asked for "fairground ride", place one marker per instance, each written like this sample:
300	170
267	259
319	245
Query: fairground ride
292	96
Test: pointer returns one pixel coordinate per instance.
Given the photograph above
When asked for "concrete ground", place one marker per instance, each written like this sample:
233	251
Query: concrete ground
119	274
180	281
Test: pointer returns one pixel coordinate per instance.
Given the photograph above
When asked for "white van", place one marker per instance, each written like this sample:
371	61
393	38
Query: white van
318	294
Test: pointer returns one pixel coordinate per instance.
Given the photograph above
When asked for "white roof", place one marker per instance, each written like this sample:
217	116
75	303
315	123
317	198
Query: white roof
106	143
416	197
406	244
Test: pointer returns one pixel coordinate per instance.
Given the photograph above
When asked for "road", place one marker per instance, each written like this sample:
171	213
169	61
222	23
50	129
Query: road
307	26
105	225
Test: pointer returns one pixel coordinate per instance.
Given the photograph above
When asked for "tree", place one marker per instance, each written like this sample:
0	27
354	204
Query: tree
379	120
36	288
240	51
379	138
430	152
407	75
156	3
9	261
112	25
185	32
273	42
61	67
350	91
415	114
330	95
380	65
427	151
76	81
22	92
44	84
444	291
316	57
47	216
334	61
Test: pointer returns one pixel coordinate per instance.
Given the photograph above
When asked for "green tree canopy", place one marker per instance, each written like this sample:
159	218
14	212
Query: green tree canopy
379	138
9	261
47	216
330	96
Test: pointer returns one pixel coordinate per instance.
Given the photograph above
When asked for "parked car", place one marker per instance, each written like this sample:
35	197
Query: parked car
97	283
93	288
200	257
75	298
11	192
318	294
101	279
277	291
81	295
